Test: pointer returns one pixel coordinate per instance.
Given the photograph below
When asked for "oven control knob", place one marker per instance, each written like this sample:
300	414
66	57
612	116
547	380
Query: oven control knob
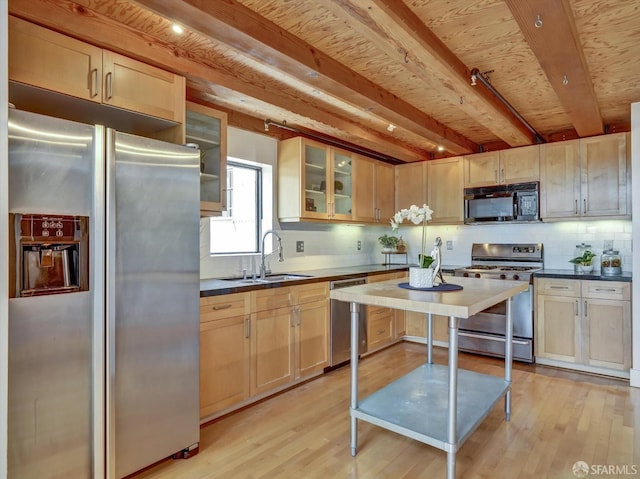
516	277
477	275
466	275
503	276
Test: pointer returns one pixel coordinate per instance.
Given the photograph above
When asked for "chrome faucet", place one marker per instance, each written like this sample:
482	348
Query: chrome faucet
263	268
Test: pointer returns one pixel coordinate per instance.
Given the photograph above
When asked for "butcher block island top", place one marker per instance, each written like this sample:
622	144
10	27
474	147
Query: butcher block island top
476	295
435	404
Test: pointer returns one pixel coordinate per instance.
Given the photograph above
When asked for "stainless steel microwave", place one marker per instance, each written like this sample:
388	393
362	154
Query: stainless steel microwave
518	202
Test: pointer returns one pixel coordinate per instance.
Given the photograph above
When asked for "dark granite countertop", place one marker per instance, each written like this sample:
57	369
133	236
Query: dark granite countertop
214	287
218	286
570	274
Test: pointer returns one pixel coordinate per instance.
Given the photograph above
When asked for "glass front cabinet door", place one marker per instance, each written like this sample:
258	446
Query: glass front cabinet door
207	128
342	179
327	182
314	181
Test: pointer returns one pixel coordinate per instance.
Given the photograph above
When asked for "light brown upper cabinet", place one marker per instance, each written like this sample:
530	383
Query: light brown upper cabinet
589	177
411	184
374	191
515	165
314	181
445	185
207	128
55	62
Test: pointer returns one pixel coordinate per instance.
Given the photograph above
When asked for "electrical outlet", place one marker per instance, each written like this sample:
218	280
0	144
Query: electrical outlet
299	246
449	245
359	245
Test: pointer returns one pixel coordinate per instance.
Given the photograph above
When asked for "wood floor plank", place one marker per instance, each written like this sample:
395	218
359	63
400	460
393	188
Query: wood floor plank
558	418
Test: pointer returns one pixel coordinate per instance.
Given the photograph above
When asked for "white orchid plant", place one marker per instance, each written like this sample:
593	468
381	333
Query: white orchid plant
418	216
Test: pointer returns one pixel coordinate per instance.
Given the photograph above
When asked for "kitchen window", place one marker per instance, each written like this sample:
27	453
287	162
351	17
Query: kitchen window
238	230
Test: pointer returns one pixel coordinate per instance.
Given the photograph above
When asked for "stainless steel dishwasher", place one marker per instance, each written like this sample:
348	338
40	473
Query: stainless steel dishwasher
341	326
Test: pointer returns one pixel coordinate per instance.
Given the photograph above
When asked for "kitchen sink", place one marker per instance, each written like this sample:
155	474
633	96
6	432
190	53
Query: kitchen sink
275	278
284	277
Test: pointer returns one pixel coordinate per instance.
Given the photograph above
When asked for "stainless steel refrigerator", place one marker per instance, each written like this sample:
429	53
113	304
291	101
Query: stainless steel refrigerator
104	300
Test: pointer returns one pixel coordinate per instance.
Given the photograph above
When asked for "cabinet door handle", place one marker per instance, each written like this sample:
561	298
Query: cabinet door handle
109	85
575	308
299	316
585	309
576	208
502	175
495	174
218	307
247	328
94	82
224	198
584	206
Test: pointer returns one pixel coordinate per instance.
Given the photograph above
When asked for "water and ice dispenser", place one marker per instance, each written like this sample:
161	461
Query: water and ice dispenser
50	254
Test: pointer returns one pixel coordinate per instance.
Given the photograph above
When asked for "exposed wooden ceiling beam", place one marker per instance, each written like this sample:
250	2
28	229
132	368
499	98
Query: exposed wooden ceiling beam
85	24
394	28
333	126
244	30
556	44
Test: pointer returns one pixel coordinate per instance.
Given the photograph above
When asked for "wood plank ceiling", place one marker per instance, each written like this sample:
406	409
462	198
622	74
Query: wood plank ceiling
347	69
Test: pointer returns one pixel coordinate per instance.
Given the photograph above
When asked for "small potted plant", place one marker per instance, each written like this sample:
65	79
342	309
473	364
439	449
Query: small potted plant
584	263
389	243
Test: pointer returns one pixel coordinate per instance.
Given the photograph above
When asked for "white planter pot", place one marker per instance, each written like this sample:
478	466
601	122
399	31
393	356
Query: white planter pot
420	277
584	269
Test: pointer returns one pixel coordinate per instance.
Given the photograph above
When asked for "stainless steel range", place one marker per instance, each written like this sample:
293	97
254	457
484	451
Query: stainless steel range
484	333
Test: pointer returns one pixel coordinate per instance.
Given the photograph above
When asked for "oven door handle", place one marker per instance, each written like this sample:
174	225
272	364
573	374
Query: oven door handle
491	338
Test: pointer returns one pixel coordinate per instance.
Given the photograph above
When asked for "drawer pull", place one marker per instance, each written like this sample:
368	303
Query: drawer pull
607	290
559	287
223	306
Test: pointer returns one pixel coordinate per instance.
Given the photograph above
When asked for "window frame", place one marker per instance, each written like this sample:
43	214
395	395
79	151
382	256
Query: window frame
259	206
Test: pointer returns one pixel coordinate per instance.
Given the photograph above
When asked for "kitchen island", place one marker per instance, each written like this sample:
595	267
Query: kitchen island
437	405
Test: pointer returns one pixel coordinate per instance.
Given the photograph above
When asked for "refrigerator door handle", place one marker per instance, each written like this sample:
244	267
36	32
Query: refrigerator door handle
99	307
110	295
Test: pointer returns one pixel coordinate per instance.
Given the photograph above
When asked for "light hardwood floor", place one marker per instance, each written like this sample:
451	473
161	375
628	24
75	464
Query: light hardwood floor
558	418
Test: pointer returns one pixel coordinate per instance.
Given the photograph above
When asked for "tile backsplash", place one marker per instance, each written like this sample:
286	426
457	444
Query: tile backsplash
328	246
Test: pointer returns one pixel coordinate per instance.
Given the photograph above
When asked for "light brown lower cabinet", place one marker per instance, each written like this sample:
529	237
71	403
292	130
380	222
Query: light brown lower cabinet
225	352
385	326
255	343
584	324
290	341
311	338
272	349
417	326
379	327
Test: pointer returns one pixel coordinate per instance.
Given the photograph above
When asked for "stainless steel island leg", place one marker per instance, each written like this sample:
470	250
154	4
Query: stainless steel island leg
429	338
453	398
508	357
355	317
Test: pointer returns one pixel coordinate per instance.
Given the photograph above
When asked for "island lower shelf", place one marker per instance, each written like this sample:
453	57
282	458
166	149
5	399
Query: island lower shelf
416	404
